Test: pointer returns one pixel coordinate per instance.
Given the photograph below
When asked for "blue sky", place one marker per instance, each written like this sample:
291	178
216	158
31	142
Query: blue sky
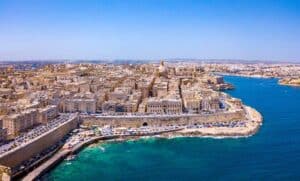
150	29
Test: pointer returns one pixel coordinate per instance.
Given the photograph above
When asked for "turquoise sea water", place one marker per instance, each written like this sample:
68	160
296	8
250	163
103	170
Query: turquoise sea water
271	154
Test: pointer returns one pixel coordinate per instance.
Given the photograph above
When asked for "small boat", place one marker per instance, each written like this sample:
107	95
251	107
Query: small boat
71	157
101	148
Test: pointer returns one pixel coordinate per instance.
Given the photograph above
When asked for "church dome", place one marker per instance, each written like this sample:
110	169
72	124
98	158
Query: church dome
162	69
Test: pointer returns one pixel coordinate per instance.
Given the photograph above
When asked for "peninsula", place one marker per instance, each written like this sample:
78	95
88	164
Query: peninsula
291	81
288	74
51	111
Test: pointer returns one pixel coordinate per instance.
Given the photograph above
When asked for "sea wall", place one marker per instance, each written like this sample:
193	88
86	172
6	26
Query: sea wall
25	152
164	120
252	125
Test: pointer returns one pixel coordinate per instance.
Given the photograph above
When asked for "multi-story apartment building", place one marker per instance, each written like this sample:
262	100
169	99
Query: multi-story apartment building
19	122
3	131
83	105
48	113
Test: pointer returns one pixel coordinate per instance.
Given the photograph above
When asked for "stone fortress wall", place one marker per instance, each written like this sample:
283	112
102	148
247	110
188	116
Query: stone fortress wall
164	120
15	157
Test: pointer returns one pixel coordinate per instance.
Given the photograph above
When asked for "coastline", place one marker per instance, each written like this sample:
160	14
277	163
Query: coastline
288	84
61	154
280	82
250	76
252	126
253	123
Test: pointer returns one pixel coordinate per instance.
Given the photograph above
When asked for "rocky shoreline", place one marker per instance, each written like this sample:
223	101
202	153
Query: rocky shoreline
252	126
290	82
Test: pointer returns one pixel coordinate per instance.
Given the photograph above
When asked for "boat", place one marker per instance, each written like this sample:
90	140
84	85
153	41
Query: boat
70	157
102	148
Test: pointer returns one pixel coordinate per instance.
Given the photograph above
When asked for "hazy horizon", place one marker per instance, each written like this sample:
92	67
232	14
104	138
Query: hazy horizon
234	61
265	30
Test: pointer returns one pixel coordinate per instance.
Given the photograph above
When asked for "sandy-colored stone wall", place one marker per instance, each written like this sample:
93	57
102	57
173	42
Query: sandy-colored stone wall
15	157
161	121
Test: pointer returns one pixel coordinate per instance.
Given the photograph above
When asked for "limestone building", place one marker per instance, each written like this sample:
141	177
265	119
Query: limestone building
164	106
48	113
3	131
19	122
82	105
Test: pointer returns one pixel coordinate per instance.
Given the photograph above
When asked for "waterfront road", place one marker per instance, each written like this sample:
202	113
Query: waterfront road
47	165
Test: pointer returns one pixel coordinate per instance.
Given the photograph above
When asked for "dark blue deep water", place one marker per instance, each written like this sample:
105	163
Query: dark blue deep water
272	154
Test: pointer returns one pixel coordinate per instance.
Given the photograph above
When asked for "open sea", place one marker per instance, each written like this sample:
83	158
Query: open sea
271	154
